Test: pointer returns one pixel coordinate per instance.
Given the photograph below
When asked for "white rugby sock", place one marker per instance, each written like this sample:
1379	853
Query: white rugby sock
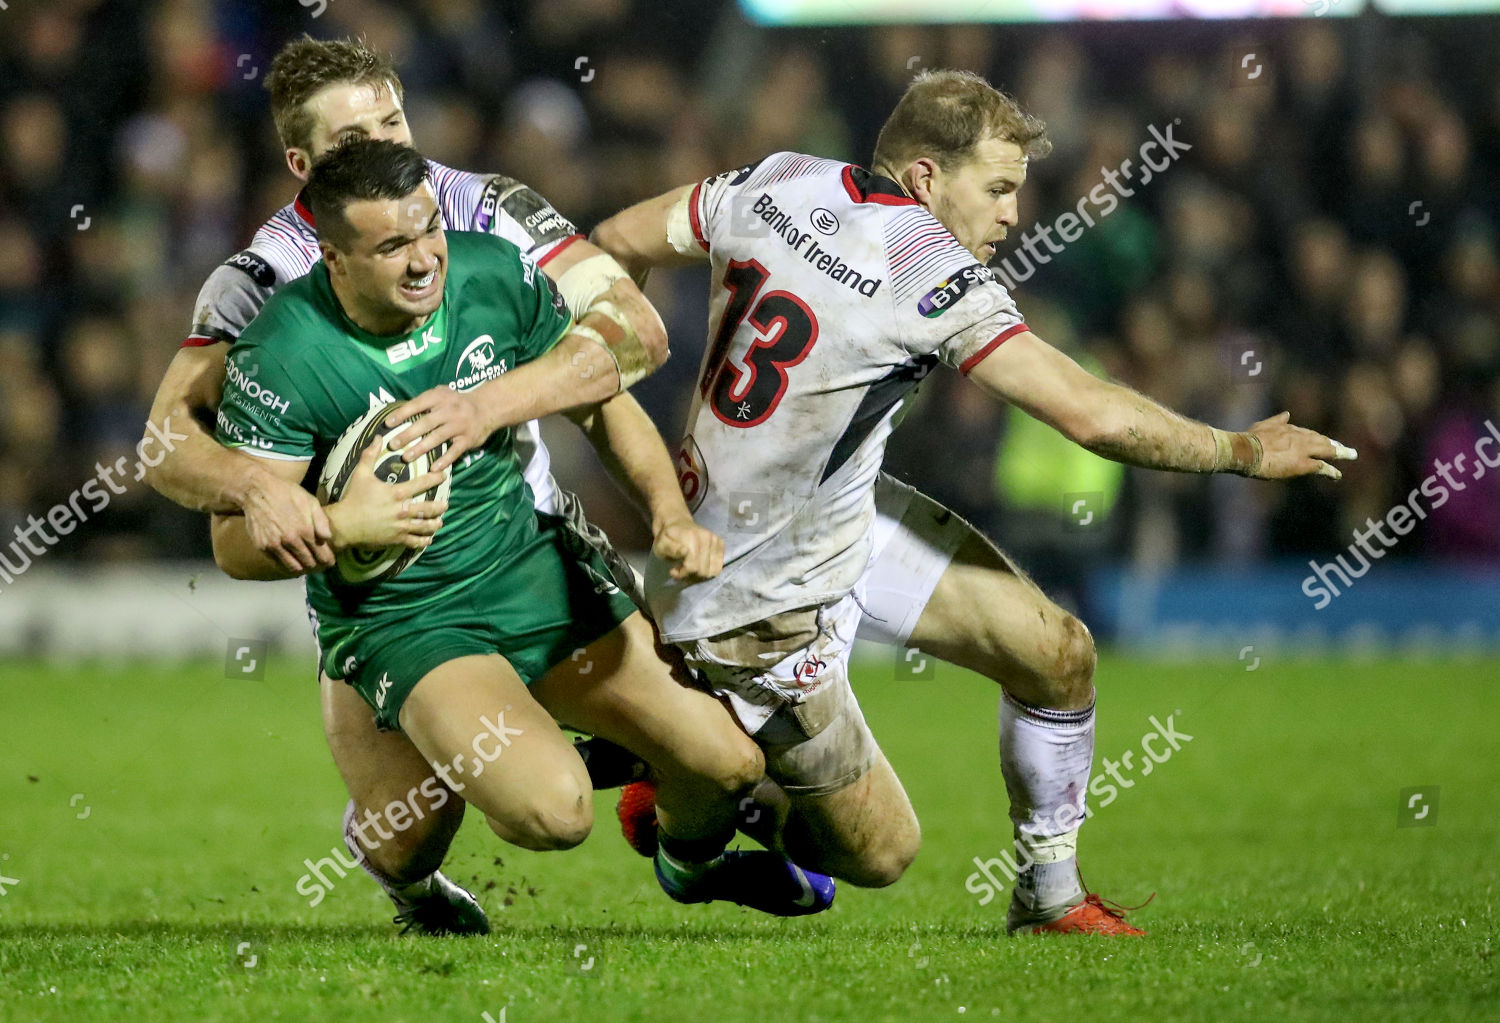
403	890
1046	756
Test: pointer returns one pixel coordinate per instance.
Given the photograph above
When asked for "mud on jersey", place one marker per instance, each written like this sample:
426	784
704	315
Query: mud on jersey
302	372
834	293
286	248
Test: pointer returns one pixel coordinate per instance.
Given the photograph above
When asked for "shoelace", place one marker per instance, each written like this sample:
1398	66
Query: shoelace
1109	906
1113	909
408	919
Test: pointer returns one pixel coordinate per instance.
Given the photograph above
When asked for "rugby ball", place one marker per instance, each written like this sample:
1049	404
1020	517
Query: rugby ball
360	566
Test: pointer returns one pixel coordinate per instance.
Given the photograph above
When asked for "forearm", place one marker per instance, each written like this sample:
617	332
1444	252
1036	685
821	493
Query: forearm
199	473
1108	419
238	558
577	373
638	237
1131	428
631	449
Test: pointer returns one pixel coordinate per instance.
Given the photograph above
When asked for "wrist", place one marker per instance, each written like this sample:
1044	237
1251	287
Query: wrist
1239	453
338	526
250	485
670	514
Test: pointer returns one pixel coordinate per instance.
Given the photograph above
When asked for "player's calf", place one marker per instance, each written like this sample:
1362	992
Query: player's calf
403	816
1044	659
866	833
986	615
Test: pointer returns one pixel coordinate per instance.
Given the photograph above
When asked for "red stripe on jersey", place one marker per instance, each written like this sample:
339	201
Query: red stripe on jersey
550	256
693	216
199	341
1000	339
303	211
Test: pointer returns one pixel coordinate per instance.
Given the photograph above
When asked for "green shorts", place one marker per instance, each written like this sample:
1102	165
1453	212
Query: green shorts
536	607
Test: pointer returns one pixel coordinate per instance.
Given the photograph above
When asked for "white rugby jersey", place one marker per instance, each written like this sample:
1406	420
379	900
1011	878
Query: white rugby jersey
286	247
834	293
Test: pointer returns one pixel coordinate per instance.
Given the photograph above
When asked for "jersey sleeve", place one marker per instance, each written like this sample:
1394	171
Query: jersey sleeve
504	207
950	304
262	412
725	205
230	298
545	317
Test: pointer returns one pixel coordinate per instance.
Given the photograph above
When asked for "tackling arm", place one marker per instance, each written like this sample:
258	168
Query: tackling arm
1117	423
197	472
632	450
651	233
617	340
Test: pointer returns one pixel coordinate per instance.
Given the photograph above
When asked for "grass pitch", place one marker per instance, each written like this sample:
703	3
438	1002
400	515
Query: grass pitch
154	820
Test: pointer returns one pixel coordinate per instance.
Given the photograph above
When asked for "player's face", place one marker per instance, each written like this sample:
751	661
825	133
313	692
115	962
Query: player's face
346	111
977	199
391	273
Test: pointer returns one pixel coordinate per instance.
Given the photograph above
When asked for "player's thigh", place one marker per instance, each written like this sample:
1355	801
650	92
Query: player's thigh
629	688
987	615
501	750
380	768
865	833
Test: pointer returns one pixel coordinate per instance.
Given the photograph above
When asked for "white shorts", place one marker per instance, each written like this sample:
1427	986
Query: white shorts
787	681
787	678
913	544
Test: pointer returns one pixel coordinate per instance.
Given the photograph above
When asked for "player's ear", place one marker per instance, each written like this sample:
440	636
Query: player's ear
299	162
919	179
332	258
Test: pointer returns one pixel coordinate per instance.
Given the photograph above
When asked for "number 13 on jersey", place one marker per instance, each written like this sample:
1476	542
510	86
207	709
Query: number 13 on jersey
745	392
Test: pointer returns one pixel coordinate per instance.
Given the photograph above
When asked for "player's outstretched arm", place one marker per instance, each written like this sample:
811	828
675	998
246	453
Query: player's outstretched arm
198	472
1121	424
642	236
632	450
372	513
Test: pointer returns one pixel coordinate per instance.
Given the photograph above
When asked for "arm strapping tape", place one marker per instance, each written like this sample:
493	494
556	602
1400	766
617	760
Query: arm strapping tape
680	228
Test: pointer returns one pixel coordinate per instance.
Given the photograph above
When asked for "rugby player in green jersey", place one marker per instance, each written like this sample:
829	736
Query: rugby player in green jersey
509	623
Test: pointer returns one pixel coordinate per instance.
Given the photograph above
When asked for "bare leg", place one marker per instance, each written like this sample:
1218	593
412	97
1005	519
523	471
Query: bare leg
627	688
496	746
382	769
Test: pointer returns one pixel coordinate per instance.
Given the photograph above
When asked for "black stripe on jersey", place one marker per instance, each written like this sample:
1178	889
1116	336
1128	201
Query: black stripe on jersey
878	400
254	267
867	186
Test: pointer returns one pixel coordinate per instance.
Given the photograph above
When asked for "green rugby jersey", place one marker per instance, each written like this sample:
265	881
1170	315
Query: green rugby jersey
302	371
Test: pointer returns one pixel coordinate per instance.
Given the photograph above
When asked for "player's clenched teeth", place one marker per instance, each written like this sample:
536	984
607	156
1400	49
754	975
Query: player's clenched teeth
421	284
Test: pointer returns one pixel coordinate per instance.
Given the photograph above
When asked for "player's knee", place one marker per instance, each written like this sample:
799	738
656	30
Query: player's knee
886	861
731	769
740	771
1070	678
556	816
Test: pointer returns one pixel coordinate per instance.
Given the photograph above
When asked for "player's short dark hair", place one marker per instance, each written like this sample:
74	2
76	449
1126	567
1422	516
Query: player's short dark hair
360	169
944	115
307	65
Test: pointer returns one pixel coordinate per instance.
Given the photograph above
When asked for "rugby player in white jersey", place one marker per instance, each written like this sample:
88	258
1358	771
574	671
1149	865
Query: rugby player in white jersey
835	290
324	93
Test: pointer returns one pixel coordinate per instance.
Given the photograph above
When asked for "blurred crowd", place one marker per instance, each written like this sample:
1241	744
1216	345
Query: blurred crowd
1327	246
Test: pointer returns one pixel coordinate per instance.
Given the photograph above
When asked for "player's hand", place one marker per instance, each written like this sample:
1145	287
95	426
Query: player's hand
289	524
1289	450
448	417
698	553
373	513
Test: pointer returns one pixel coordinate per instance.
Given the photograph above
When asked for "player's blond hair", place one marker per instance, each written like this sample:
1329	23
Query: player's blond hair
307	65
944	115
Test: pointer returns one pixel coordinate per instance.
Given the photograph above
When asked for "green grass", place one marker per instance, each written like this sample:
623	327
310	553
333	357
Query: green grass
1285	890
